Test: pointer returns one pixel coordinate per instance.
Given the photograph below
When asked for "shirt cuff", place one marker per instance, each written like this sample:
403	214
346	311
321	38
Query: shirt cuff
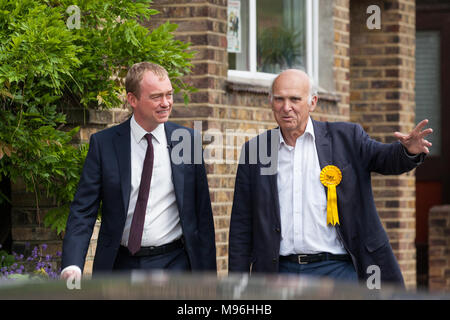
417	158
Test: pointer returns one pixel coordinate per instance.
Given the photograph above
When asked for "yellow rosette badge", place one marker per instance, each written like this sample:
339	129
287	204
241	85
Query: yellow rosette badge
331	176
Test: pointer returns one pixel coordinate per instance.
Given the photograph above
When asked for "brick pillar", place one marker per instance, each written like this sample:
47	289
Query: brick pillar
439	248
341	69
382	67
203	23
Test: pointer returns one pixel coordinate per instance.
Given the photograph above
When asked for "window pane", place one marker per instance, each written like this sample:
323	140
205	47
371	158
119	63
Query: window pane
428	85
237	35
281	32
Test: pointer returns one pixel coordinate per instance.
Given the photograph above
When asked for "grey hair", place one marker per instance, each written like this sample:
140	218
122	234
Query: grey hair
312	88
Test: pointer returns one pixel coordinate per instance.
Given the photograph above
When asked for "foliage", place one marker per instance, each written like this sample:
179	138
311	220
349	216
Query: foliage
34	150
37	264
47	68
279	47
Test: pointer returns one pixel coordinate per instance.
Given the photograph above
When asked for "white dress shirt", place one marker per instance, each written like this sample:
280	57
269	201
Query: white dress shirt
303	201
162	220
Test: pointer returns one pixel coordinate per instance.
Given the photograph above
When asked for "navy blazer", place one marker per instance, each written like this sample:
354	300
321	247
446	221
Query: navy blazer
255	229
106	181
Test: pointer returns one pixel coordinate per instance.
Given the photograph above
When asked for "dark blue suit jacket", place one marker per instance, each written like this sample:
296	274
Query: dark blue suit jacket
106	180
255	229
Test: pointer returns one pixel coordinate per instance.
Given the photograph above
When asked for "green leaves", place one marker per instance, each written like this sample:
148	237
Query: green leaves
47	67
34	150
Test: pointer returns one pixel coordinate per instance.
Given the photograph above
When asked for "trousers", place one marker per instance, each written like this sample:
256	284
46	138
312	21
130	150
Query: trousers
176	260
338	270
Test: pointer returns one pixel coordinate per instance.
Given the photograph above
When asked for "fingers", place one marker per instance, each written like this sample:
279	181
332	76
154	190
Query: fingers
420	125
425	132
70	274
416	132
427	143
67	274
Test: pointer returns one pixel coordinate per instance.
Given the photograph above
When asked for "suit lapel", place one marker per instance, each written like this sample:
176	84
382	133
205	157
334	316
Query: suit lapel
273	136
177	169
323	143
323	146
122	147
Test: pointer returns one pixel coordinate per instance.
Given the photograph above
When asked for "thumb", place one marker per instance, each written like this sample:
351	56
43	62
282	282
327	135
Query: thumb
399	135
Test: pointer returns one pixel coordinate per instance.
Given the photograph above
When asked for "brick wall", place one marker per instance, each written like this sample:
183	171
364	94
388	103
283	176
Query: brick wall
382	69
439	248
341	69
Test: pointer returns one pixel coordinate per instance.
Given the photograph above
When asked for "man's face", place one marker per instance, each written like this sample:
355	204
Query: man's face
290	101
155	102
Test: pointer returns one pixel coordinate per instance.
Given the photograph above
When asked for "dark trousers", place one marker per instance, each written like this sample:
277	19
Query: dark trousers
339	270
176	260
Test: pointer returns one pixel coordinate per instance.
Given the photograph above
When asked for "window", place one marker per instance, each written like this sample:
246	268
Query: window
428	89
266	37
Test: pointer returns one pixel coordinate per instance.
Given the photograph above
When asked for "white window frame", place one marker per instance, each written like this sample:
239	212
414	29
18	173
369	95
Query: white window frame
312	48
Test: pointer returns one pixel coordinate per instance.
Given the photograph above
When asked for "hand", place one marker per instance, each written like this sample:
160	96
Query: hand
414	142
71	273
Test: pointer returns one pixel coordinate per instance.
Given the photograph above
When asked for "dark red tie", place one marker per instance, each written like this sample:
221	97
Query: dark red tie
137	224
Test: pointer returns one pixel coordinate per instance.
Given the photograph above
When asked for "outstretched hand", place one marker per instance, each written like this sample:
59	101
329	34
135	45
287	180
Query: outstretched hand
414	142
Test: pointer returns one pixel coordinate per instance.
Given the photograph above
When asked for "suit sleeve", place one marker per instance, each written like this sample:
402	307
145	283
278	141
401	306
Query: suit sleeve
384	158
241	235
83	210
205	218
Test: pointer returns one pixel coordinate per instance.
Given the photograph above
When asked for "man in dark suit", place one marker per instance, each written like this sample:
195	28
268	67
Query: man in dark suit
145	173
303	199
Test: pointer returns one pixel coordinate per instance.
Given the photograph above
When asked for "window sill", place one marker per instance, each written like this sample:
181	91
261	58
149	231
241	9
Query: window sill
251	79
260	83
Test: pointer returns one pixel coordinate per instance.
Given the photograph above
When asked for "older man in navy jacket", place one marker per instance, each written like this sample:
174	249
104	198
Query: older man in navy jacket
289	180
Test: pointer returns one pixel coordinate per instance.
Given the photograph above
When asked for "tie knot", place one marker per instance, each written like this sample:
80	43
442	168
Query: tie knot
148	136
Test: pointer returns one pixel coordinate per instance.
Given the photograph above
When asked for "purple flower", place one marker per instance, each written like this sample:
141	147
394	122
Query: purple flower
44	247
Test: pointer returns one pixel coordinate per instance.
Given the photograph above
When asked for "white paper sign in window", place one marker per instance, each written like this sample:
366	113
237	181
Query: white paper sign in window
234	26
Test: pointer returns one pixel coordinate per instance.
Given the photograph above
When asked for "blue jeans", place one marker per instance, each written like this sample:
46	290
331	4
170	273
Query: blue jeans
339	270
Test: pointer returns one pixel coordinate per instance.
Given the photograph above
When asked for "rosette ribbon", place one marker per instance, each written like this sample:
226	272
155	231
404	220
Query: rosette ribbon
331	176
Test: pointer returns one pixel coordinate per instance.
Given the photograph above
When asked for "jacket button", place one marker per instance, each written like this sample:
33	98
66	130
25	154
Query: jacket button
274	260
277	230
